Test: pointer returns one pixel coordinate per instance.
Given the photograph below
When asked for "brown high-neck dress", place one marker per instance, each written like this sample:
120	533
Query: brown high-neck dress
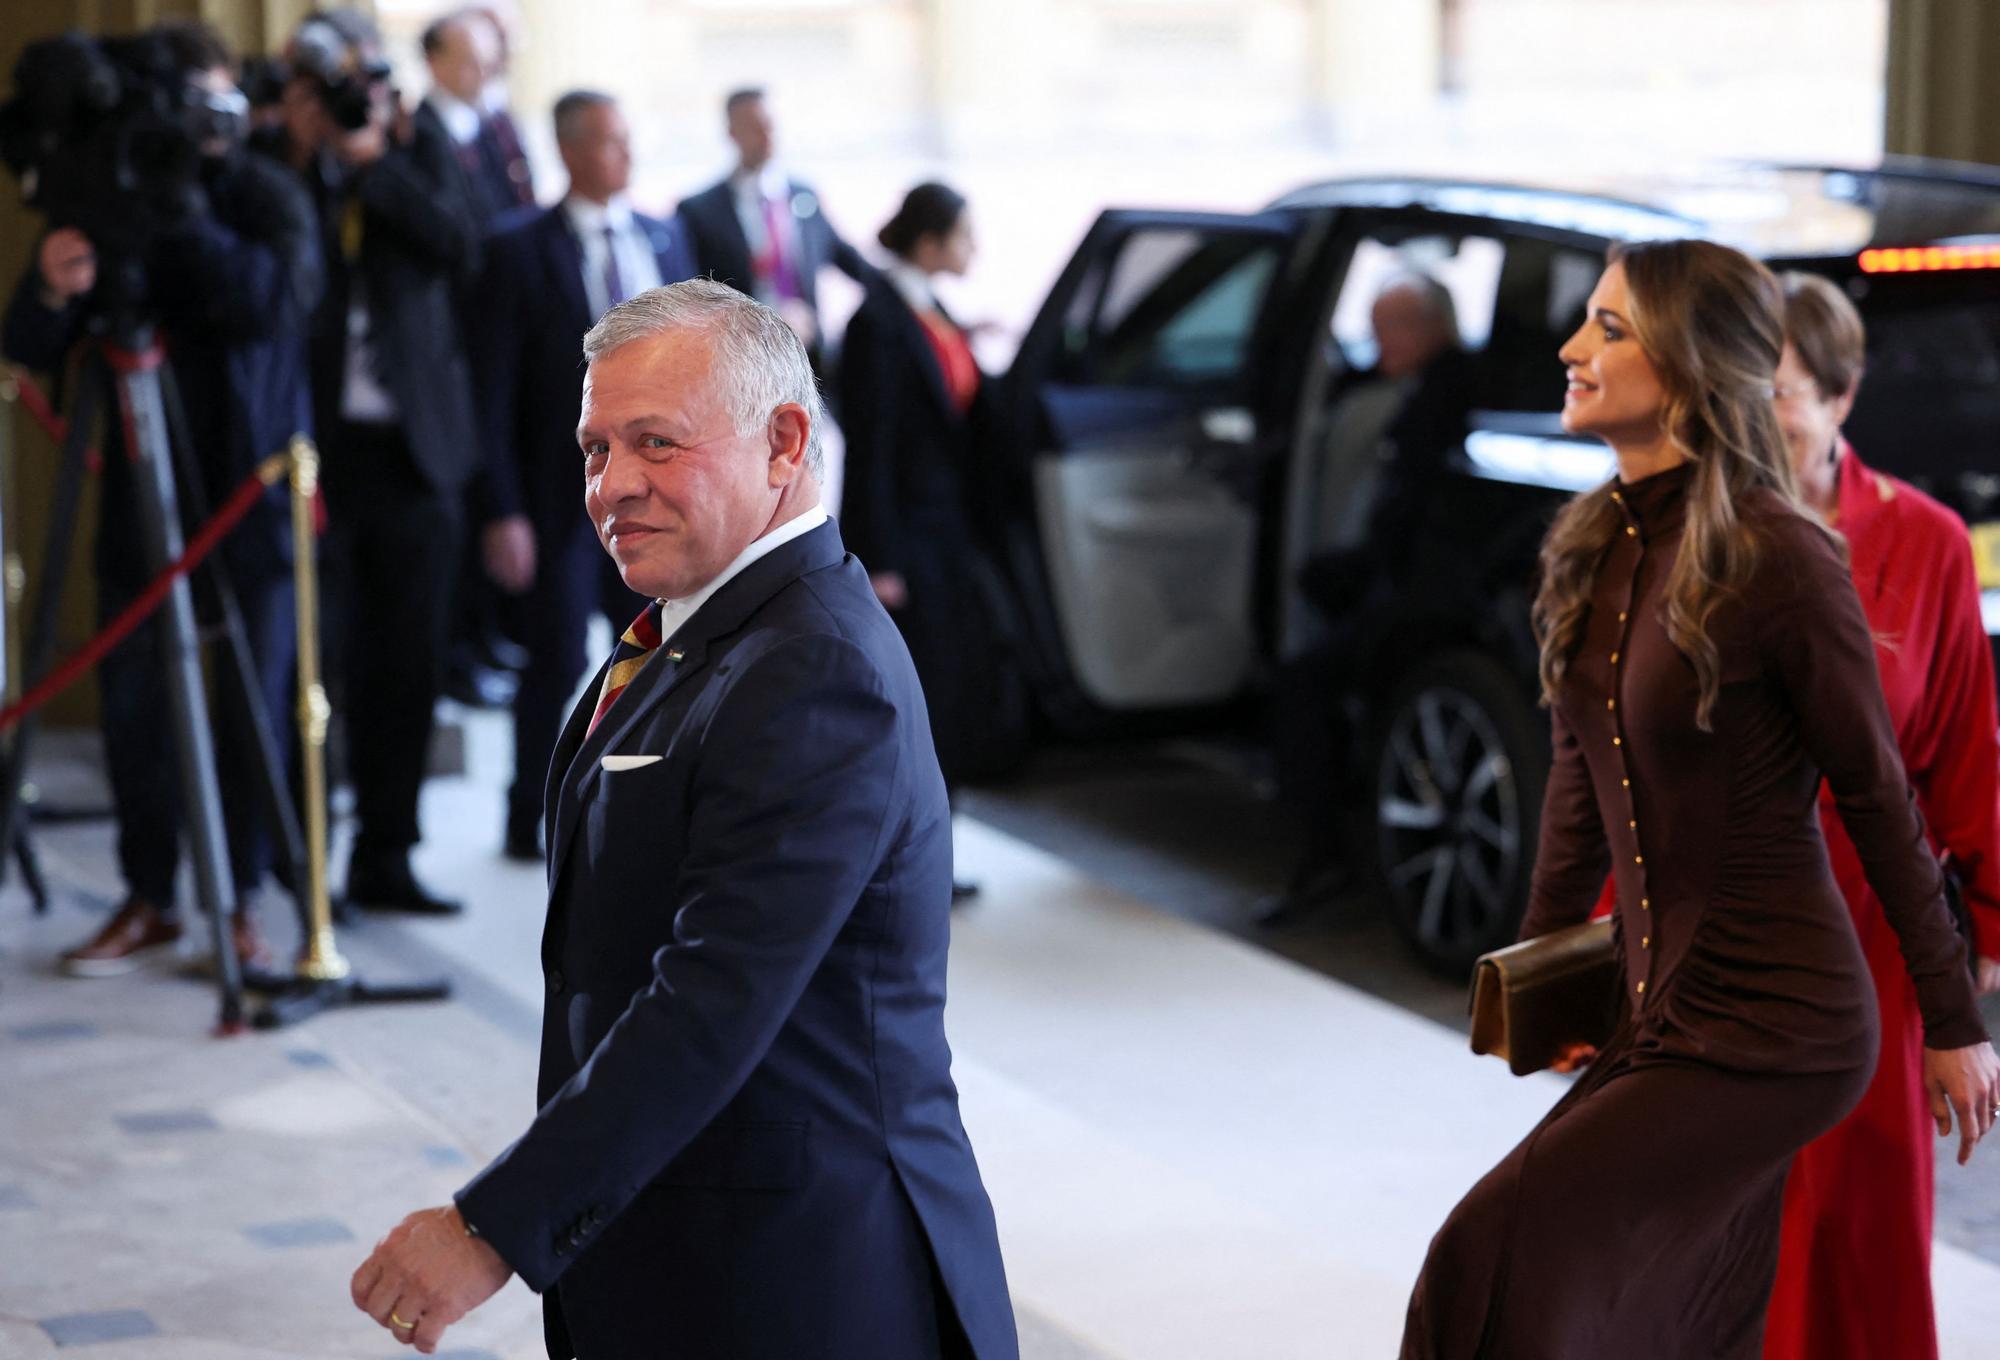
1640	1219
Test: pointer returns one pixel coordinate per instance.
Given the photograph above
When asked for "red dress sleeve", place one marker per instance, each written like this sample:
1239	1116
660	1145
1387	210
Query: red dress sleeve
1955	754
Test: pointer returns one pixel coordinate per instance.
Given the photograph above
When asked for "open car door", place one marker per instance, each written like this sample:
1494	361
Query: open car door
1148	380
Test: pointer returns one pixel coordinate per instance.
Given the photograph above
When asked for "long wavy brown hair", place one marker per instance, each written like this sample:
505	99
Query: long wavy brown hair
1711	320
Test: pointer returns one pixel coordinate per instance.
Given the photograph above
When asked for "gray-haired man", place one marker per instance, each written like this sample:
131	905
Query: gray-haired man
749	1140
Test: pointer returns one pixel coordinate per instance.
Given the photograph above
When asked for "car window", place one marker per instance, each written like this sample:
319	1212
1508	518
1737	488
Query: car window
1949	344
1930	396
1176	307
1538	305
1467	266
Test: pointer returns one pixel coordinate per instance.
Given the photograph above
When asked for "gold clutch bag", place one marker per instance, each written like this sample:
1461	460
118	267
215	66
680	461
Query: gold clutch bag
1529	1000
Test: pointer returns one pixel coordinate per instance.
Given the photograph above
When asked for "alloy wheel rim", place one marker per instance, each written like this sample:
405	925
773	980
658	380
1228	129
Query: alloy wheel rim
1448	813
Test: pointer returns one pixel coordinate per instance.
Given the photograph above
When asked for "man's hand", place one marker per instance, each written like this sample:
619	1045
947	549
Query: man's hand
68	266
363	146
1965	1082
1989	976
890	589
508	547
425	1275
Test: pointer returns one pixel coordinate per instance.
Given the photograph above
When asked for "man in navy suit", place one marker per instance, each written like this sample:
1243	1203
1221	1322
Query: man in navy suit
463	51
748	1141
763	232
549	275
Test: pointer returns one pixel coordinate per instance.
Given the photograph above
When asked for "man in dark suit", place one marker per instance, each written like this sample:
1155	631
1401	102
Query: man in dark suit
748	1141
1390	430
393	405
764	233
549	275
463	50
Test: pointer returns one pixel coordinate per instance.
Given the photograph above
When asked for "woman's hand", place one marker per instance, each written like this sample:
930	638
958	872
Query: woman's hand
1989	977
1574	1058
1965	1081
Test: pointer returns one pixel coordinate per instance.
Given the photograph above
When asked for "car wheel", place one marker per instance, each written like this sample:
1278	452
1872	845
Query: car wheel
1460	758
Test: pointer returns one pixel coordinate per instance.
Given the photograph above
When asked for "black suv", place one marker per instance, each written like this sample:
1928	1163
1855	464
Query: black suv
1173	455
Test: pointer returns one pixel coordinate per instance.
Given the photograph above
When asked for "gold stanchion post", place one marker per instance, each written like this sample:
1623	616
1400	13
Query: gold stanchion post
324	979
319	959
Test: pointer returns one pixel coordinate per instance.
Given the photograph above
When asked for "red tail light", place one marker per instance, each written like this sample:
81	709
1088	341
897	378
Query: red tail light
1928	259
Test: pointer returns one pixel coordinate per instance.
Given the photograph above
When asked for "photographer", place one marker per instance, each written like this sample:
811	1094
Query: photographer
231	276
394	410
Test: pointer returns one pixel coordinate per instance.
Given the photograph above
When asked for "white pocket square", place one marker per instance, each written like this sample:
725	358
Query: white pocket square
613	764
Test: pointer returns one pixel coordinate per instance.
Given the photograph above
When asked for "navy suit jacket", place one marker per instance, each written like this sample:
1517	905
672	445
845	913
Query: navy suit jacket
526	343
749	1141
722	252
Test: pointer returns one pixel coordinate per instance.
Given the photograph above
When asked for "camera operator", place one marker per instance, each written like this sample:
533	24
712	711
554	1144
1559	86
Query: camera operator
232	278
393	406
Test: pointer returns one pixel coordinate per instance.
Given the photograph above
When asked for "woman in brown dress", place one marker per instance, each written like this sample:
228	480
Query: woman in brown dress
1707	661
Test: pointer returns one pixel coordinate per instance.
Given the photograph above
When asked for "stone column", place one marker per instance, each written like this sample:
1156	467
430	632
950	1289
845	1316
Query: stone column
1371	59
1941	98
991	73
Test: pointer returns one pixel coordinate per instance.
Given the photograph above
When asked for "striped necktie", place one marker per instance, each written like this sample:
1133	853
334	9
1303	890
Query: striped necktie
641	640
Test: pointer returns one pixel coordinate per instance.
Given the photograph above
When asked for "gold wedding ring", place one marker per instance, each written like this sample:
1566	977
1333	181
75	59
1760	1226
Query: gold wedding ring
395	1320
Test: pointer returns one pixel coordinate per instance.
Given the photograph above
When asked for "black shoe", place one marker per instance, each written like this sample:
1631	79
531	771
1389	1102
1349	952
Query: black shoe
385	883
523	844
963	891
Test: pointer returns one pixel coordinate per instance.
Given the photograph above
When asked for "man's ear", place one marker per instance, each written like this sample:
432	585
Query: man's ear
790	433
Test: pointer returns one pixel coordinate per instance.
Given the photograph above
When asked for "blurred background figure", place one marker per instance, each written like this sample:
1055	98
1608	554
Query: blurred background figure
549	275
910	394
765	233
232	281
463	52
496	101
393	404
1388	432
1393	423
1854	1264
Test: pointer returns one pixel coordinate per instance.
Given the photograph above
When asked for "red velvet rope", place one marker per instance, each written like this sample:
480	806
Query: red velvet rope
45	416
205	541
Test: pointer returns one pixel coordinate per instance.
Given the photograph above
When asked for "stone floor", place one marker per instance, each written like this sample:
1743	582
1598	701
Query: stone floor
1197	1151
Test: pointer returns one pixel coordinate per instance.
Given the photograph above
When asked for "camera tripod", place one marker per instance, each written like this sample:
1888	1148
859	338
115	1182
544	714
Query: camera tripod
127	364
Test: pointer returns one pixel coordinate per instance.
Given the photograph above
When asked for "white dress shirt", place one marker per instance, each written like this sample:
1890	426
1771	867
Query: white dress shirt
638	268
460	119
674	613
363	398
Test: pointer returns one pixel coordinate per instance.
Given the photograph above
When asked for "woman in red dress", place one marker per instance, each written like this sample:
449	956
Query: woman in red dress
1854	1279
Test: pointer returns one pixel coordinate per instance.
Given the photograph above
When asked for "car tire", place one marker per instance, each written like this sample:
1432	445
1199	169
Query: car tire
1457	765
